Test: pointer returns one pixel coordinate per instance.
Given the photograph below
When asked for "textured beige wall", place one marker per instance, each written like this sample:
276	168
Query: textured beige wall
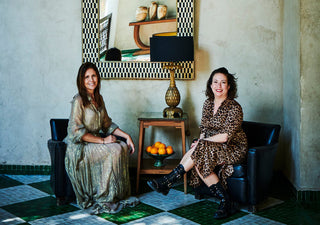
288	158
310	92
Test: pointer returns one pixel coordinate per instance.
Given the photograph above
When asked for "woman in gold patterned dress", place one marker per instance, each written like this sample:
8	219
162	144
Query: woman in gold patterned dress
221	144
96	162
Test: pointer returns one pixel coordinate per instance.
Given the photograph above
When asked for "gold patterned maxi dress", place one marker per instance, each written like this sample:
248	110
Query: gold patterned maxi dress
98	172
209	156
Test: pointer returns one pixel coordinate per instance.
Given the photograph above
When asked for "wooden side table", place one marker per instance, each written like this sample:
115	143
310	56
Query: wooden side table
145	166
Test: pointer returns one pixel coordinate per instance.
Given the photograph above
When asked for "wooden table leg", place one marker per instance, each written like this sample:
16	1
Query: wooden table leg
141	141
183	134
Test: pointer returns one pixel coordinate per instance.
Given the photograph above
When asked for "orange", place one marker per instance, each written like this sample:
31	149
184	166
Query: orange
162	151
154	150
161	145
169	150
157	144
149	148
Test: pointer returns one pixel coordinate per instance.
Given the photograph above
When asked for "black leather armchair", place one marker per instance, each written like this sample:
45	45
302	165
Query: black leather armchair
59	180
250	182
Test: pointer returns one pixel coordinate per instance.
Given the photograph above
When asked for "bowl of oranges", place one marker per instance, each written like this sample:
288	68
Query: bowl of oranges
159	151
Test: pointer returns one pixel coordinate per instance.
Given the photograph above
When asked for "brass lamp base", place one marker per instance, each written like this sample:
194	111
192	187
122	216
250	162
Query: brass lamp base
172	95
172	112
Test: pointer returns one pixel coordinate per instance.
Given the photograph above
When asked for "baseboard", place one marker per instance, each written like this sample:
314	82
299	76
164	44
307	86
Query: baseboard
25	169
299	195
308	196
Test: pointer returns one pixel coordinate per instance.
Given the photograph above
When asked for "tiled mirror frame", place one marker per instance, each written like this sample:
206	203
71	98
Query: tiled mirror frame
133	70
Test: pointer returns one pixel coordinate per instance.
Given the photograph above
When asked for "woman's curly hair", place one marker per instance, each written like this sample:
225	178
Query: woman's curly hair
232	81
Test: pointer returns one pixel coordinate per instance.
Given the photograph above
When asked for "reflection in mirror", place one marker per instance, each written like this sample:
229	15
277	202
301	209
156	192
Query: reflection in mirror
120	29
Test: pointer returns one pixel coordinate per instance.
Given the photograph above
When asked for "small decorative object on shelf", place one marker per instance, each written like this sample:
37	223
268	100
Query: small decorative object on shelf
153	10
162	11
141	13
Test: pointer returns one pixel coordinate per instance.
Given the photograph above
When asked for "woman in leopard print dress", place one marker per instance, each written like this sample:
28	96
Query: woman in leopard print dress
221	144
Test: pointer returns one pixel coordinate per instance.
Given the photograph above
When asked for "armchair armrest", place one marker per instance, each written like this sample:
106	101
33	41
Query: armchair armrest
260	170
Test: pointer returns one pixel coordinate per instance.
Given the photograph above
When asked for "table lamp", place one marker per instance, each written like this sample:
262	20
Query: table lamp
167	47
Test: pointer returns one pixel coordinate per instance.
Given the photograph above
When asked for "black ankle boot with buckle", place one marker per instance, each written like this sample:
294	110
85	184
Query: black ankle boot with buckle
224	209
163	184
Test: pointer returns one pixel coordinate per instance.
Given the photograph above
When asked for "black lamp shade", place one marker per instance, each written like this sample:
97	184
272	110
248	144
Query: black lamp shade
171	49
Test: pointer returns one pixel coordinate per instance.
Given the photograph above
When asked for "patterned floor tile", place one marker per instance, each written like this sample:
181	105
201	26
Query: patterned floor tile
294	212
76	217
28	179
43	186
252	219
173	200
19	193
27	199
6	182
164	218
202	213
38	208
9	219
129	214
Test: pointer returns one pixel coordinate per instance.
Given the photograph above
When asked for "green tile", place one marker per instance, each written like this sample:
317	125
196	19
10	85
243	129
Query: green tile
43	186
294	212
38	208
6	182
25	169
202	213
129	214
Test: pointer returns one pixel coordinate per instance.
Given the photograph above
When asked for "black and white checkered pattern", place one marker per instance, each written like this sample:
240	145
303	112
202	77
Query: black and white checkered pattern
132	70
184	18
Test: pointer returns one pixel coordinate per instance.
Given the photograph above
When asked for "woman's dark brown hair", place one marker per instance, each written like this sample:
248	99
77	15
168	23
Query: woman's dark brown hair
232	93
81	87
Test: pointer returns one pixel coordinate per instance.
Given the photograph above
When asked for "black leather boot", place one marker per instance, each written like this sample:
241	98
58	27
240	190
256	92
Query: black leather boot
225	202
202	191
163	184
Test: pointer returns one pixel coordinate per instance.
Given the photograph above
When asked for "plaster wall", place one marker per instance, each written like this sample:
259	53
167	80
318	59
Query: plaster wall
40	45
310	104
290	155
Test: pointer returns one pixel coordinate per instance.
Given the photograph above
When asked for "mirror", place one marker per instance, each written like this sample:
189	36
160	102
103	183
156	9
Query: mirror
119	28
133	69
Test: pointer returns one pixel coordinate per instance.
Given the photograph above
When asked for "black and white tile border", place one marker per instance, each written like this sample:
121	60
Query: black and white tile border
133	70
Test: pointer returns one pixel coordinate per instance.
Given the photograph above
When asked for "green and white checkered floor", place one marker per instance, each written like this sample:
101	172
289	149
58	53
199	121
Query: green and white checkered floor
28	199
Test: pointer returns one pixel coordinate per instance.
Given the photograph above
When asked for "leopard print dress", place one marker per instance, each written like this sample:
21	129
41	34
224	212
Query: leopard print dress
216	157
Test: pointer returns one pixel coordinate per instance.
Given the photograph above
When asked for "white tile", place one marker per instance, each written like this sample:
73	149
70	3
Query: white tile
253	219
7	218
29	179
19	193
175	199
164	218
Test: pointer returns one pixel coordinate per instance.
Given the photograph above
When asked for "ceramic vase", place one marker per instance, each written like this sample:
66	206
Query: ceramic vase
161	11
141	13
153	10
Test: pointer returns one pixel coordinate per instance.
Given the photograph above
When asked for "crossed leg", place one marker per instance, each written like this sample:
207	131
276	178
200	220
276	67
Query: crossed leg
188	164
